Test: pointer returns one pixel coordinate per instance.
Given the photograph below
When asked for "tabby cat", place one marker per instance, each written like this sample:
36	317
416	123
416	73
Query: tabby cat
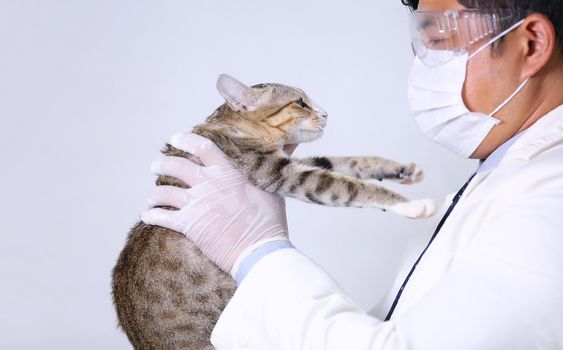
167	294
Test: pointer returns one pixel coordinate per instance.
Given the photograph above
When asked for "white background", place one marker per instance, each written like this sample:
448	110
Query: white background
91	90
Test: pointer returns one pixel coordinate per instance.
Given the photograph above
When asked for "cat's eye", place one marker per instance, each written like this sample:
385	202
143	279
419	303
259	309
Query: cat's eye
302	103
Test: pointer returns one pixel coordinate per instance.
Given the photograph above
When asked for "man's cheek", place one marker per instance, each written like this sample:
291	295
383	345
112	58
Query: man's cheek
470	93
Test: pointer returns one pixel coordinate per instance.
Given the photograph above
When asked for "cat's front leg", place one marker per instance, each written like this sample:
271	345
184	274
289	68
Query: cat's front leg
287	177
368	168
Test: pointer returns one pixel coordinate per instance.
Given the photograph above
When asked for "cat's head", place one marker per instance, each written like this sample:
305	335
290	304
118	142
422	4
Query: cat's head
281	111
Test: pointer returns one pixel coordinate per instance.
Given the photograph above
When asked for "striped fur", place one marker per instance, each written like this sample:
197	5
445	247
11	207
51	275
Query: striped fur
312	179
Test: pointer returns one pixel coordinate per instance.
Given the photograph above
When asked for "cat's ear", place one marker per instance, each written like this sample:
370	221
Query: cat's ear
238	96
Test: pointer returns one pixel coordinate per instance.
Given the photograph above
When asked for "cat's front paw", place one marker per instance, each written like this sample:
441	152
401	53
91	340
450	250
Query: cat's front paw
411	174
416	209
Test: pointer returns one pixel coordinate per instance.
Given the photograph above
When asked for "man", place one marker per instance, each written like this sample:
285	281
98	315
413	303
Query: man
486	84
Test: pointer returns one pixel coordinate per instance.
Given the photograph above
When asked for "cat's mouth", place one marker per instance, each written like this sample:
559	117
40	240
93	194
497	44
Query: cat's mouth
308	131
307	135
317	130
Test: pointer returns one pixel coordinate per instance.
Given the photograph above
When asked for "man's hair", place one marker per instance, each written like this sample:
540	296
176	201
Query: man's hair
552	9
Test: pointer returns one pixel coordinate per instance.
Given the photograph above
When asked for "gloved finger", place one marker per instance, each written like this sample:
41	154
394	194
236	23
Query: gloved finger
162	217
170	196
207	151
181	168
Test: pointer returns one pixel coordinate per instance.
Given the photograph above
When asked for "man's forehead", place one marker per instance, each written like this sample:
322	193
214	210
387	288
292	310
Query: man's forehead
439	5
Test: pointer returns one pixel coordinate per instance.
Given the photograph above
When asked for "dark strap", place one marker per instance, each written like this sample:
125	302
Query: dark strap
448	212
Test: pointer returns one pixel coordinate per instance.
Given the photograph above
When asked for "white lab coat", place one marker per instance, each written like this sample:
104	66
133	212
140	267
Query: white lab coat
492	278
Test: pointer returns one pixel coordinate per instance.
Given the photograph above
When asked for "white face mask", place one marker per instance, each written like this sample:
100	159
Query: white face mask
435	99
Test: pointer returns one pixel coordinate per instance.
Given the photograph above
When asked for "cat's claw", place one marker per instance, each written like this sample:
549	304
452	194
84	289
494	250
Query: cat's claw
411	175
415	209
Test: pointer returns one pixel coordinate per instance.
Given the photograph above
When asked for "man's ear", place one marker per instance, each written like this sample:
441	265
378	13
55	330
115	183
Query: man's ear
539	43
238	96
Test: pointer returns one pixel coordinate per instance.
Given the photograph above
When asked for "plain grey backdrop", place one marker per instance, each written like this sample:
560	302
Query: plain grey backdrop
91	90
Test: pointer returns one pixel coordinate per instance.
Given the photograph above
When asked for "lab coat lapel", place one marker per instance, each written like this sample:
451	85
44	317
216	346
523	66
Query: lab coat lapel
477	179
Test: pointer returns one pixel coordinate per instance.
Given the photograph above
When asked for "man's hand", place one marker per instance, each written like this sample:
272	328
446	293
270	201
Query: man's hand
222	213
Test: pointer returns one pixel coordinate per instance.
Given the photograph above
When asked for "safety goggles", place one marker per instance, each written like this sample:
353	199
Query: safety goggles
439	36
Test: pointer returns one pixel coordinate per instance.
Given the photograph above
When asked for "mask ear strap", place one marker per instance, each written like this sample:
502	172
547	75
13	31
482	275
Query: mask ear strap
509	97
514	26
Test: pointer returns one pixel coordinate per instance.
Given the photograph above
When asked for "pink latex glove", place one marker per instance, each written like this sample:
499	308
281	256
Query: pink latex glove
222	213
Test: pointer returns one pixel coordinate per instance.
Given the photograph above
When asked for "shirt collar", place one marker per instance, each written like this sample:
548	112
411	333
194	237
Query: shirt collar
494	159
544	134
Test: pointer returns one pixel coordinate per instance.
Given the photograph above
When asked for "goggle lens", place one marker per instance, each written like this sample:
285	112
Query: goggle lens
438	37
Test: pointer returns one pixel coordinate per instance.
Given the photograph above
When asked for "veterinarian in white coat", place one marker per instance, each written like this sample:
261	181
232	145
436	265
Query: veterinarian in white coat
492	276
